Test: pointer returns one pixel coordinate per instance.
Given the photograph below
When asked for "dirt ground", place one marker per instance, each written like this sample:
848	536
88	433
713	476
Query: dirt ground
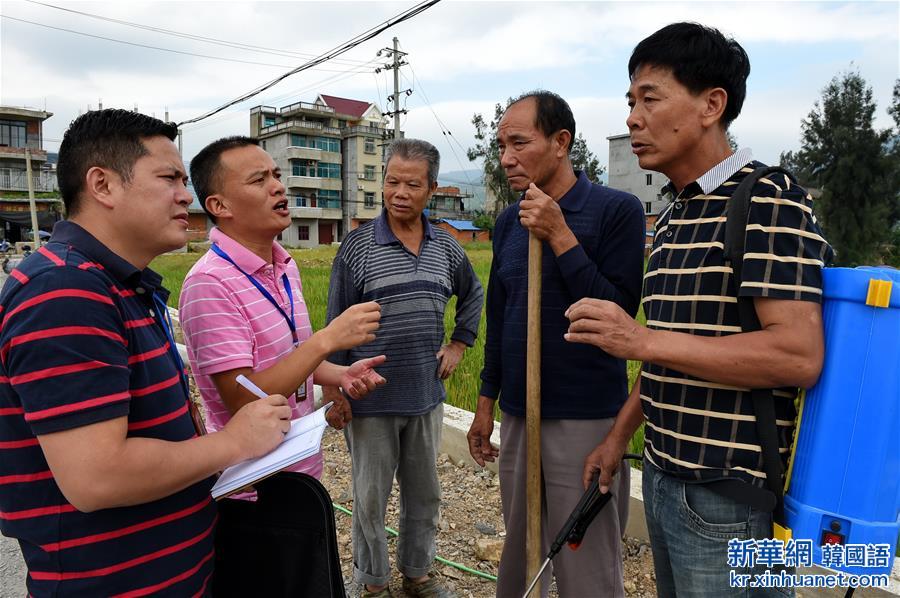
470	514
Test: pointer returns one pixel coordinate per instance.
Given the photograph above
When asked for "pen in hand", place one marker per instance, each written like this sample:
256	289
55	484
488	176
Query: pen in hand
253	388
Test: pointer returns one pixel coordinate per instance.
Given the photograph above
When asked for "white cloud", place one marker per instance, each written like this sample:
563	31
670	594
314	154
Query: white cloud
466	55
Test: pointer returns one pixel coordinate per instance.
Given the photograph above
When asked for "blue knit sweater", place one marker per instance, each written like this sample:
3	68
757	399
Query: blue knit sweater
577	381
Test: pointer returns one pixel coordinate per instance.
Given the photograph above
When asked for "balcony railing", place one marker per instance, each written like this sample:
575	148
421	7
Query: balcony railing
17	180
306	106
364	130
302	124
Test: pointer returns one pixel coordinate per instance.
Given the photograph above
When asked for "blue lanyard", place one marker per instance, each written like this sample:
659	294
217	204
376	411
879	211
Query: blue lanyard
165	320
287	289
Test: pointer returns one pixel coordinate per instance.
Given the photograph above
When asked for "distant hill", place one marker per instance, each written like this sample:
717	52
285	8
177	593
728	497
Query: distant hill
470	181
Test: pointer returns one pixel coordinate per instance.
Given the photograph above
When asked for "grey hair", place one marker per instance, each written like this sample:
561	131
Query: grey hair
416	149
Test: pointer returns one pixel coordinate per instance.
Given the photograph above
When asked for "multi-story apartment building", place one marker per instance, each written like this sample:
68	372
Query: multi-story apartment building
331	155
626	174
22	128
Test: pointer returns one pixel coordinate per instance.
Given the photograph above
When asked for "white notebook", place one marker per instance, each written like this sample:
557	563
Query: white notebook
302	440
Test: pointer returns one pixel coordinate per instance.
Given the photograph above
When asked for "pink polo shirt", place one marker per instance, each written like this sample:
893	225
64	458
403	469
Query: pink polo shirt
229	324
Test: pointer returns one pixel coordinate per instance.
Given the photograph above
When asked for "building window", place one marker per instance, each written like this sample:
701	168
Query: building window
329	198
263	143
303	232
268	121
303	167
649	179
370	145
648	206
279	236
369	200
369	172
300	201
12	133
328	144
328	171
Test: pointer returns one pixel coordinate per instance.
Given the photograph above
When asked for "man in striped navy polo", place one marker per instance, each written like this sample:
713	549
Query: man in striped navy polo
412	270
103	479
702	457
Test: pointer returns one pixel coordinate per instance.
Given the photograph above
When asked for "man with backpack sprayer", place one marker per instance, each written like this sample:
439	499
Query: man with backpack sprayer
705	477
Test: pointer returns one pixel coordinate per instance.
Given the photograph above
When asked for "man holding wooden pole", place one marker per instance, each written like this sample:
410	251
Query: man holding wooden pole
592	246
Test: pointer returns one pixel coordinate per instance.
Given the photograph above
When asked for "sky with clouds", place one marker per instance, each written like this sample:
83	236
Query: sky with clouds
464	57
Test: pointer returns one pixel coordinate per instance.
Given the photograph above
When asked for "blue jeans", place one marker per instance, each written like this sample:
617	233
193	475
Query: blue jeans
690	526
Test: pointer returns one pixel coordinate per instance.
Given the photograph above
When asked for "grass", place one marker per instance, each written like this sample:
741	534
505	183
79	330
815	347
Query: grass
315	271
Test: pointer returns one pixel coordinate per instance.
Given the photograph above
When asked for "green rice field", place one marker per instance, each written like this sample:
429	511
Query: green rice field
315	269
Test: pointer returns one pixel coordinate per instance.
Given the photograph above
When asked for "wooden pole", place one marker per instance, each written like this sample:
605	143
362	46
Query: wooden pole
533	415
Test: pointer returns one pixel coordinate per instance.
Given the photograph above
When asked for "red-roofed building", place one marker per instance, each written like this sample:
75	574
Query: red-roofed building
331	154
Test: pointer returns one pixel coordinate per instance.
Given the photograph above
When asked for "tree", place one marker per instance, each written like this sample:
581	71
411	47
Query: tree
843	155
732	140
894	153
584	159
482	220
487	149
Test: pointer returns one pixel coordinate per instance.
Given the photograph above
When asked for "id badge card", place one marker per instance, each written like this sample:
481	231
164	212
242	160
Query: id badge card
301	392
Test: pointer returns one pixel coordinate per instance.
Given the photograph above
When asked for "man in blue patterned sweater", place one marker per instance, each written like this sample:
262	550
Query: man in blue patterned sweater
593	247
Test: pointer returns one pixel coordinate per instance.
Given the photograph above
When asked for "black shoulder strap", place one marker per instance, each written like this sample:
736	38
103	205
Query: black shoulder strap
763	399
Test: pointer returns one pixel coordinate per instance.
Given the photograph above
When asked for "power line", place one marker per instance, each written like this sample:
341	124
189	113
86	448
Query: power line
279	98
190	36
346	46
445	131
120	41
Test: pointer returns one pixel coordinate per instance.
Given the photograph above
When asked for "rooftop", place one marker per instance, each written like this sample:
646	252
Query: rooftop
28	113
345	105
461	224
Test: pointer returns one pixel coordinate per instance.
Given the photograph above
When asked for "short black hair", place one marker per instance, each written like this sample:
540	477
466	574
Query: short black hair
407	148
206	164
552	114
110	138
700	58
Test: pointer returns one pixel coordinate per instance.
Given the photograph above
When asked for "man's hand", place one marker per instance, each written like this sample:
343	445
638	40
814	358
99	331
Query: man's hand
354	327
259	426
448	358
605	460
359	379
542	216
479	435
606	325
340	413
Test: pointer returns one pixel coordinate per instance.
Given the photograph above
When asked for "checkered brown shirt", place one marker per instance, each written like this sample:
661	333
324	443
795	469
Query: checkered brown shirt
699	430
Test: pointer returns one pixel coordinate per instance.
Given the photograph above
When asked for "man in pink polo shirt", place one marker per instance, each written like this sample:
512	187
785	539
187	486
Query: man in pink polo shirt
242	308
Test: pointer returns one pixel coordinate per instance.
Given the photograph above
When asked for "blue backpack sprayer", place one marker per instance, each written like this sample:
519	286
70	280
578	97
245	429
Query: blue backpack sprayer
843	482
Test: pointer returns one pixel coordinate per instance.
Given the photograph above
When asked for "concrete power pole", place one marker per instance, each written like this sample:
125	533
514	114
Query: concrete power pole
395	65
31	202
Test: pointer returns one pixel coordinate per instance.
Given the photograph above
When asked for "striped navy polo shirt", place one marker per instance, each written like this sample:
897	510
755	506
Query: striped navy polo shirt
80	344
699	430
413	291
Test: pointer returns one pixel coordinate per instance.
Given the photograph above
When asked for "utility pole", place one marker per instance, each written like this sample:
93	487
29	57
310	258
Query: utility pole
395	65
31	202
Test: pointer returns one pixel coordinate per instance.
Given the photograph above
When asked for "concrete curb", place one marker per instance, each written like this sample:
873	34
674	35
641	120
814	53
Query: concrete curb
454	443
